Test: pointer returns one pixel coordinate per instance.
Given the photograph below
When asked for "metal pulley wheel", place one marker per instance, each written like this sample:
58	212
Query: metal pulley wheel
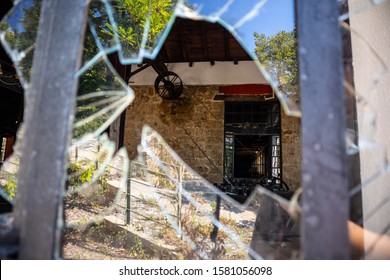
168	85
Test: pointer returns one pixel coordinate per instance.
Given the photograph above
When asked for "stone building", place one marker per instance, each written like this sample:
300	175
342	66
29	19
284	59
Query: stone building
226	105
194	125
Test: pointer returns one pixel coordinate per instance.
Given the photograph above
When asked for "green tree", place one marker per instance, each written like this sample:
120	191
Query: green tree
132	17
23	39
278	54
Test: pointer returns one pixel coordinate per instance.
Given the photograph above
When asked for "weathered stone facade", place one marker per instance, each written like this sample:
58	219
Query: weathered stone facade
291	150
190	125
194	127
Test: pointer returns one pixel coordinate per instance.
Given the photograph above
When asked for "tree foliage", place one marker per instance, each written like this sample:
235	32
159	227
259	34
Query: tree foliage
23	39
278	54
132	17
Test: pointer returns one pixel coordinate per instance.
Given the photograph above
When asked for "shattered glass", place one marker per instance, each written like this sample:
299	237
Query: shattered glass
368	64
259	26
102	26
18	33
101	98
212	229
163	208
96	177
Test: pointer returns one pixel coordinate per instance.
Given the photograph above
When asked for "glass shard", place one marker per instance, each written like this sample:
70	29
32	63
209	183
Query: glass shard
18	31
370	78
96	178
138	26
103	26
102	97
224	225
266	30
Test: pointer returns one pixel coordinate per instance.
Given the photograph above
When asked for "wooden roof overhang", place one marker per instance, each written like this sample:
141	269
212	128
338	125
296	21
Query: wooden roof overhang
190	41
201	41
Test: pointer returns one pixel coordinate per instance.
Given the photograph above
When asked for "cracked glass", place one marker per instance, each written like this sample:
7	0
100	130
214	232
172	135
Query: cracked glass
365	79
175	193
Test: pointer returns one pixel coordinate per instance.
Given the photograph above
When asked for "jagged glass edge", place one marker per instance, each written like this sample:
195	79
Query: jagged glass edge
148	132
15	55
110	14
361	98
127	96
181	10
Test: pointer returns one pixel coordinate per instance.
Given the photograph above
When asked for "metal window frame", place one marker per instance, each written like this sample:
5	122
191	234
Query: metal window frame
325	212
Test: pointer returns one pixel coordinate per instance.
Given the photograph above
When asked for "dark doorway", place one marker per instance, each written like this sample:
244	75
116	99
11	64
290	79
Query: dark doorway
252	140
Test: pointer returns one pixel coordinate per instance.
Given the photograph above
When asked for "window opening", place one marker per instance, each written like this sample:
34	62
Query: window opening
252	153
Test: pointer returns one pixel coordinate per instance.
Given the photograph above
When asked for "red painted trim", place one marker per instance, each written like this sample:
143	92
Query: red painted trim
254	89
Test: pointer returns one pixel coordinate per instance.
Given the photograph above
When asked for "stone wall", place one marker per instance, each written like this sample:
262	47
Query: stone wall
195	118
291	150
194	126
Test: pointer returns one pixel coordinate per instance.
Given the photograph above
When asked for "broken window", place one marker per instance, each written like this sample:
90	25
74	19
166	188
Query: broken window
163	188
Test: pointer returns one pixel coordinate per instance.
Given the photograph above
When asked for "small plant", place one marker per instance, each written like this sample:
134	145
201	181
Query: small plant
149	200
168	234
87	174
162	182
10	187
73	168
83	222
228	221
137	250
103	182
204	229
151	216
80	174
138	226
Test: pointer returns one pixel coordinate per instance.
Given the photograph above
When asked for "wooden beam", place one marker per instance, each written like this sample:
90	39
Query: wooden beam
204	42
227	45
325	210
50	106
164	53
181	41
247	89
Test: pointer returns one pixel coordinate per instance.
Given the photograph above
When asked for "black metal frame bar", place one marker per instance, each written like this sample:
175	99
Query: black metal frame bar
324	233
50	106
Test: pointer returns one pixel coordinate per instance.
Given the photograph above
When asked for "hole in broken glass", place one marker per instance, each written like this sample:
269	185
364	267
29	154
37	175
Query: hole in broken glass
176	108
172	92
199	51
